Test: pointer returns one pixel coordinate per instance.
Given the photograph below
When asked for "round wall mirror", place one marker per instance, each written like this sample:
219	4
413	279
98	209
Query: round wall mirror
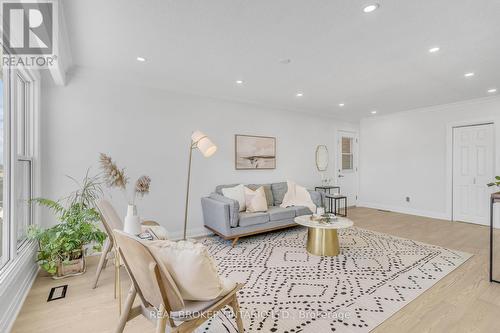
321	158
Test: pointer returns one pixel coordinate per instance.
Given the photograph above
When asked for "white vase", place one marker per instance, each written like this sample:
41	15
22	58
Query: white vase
132	222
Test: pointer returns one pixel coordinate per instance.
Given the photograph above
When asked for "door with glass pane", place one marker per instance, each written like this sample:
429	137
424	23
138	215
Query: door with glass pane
347	155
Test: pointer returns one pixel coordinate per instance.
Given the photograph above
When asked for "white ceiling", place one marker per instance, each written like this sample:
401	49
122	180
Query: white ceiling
377	61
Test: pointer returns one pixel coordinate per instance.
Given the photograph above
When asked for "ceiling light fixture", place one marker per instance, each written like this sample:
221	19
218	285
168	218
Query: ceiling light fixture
469	74
240	82
370	8
433	49
492	90
141	59
374	112
299	94
341	104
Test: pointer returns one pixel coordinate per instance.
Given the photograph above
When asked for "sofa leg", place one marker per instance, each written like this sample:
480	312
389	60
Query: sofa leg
234	241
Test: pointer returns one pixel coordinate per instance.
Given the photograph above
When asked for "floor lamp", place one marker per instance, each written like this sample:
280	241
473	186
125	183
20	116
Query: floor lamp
207	148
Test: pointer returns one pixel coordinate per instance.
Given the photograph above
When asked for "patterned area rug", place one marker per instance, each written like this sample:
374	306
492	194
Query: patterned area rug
288	290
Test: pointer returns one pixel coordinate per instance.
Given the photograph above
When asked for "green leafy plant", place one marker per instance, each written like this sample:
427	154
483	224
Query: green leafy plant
496	182
78	226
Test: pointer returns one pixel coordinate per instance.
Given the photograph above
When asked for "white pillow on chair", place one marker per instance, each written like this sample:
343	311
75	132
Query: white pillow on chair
192	268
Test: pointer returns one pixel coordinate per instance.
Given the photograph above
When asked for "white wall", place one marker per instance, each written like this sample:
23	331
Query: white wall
148	132
407	154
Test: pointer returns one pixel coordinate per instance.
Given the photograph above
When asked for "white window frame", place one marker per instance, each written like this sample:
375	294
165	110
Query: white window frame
18	254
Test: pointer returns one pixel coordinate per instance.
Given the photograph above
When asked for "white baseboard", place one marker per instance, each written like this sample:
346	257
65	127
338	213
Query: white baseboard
405	210
192	233
14	302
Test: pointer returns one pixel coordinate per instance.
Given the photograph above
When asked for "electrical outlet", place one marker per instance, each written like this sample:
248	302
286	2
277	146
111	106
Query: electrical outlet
407	199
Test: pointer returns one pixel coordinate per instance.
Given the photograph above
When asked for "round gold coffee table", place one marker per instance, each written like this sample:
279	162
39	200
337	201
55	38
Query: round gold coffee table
322	238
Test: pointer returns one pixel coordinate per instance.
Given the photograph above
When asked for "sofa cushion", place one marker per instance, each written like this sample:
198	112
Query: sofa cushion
301	210
247	219
280	213
267	190
279	190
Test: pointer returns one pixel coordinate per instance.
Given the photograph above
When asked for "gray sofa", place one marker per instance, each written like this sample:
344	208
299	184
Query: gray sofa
221	214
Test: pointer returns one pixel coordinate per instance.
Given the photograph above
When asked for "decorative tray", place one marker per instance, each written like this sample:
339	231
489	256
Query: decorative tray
325	218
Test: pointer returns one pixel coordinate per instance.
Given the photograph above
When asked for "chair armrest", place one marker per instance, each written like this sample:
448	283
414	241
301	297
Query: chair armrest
216	215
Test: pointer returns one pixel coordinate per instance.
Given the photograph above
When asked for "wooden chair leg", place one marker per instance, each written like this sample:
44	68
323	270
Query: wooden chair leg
161	324
237	314
234	241
102	262
126	310
118	287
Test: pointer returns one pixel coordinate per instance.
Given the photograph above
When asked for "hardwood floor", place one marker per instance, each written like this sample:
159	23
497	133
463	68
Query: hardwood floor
464	301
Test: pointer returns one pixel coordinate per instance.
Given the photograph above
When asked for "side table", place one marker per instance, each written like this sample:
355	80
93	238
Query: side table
335	202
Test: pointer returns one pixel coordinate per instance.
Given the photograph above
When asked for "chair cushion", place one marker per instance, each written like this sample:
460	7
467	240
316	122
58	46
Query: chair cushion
194	309
247	219
279	190
280	213
301	210
192	268
267	190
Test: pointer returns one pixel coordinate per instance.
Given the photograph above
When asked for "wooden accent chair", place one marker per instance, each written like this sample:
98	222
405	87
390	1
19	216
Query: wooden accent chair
161	301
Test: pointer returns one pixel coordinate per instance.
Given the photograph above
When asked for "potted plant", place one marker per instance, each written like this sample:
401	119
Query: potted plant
62	247
496	182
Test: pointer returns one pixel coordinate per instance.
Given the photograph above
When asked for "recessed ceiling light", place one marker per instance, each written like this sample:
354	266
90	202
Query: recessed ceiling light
141	59
374	112
341	104
299	94
240	82
434	49
469	74
492	90
370	8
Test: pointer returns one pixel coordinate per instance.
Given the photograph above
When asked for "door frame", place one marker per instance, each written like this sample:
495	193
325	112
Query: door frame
449	155
355	133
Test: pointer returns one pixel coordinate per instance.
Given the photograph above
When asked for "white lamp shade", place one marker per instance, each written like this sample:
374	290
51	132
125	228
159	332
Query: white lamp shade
203	143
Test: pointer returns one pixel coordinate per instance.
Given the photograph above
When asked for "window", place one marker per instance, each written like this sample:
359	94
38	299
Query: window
22	169
347	153
18	130
4	231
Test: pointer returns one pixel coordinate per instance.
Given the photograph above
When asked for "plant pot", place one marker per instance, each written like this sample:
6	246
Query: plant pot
70	268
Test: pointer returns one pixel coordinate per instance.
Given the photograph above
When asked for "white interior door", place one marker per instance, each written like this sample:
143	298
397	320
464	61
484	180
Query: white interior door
347	155
473	168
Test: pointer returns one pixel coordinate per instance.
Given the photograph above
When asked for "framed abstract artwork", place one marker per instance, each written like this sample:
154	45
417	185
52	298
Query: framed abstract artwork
254	152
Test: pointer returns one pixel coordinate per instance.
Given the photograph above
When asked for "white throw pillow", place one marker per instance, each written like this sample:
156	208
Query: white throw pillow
255	200
192	268
297	195
236	193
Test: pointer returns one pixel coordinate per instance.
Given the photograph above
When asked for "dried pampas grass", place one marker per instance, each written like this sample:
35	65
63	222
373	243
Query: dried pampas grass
142	185
113	176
